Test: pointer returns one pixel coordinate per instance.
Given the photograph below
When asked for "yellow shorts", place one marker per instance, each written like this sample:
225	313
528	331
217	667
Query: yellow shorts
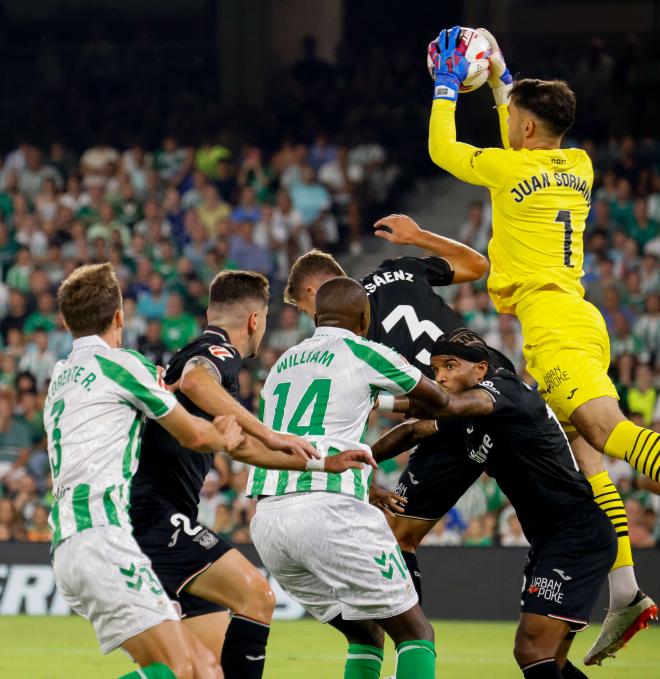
567	350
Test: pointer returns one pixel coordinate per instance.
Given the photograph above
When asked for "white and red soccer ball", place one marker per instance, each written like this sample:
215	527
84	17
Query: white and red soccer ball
478	53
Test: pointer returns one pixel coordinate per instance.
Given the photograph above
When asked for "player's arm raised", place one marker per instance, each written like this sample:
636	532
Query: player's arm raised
500	82
402	438
199	383
468	264
483	167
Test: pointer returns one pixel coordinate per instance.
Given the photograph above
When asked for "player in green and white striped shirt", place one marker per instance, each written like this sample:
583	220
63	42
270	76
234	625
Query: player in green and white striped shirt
317	533
97	400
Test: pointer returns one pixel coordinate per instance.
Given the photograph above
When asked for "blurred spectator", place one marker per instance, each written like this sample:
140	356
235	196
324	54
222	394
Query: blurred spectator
152	346
511	533
179	327
289	332
642	396
38	528
11	525
38	360
246	254
15	441
476	230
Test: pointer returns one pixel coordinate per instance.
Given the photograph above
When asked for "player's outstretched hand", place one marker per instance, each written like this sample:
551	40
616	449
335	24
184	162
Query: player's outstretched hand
450	67
230	431
292	445
385	500
500	79
349	459
398	229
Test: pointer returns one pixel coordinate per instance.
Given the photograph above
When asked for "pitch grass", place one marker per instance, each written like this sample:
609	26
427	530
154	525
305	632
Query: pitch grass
65	648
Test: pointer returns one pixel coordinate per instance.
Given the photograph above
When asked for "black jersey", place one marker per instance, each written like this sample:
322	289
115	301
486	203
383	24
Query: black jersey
168	474
523	446
406	314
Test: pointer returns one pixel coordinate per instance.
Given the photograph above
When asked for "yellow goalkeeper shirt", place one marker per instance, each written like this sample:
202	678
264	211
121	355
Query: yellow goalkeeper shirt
540	201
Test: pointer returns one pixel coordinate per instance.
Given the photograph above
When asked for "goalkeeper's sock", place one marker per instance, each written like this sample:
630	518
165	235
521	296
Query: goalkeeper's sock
154	671
363	662
569	671
608	499
542	669
413	568
244	649
415	660
638	446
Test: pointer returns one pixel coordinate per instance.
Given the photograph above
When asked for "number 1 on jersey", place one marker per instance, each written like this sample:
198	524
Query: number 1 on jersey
564	217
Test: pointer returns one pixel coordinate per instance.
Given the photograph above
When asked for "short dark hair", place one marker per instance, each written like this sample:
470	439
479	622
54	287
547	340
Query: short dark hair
311	263
89	298
230	287
553	101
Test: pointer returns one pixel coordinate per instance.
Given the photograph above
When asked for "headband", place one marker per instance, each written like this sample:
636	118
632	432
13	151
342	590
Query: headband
474	354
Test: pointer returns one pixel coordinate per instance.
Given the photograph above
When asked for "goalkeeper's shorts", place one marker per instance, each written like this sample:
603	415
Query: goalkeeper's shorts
567	350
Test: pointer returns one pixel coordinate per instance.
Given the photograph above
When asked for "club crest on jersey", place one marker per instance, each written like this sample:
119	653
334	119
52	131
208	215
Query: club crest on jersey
220	352
206	539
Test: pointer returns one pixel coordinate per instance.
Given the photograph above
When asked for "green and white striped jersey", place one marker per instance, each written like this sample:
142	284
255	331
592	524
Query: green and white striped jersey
324	389
97	400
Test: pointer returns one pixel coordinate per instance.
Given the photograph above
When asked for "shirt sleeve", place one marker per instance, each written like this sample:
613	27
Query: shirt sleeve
134	379
503	393
438	271
481	166
384	368
223	359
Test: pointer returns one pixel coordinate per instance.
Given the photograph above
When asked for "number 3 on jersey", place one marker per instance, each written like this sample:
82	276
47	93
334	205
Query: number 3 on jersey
564	217
318	394
56	412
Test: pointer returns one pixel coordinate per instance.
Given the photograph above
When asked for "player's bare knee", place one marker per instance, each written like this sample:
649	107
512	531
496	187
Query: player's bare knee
259	598
427	632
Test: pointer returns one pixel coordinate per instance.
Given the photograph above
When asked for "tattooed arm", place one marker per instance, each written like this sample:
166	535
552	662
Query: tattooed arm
200	382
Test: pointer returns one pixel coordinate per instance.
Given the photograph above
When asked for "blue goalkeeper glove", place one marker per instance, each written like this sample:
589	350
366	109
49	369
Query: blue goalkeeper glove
500	79
450	67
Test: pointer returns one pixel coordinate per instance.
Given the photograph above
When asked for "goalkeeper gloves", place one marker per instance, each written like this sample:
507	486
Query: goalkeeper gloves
450	67
499	80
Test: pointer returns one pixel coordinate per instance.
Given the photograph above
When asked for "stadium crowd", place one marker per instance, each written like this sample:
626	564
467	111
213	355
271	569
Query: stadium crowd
171	218
171	212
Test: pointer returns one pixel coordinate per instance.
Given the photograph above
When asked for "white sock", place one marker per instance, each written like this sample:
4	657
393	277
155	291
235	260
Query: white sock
623	587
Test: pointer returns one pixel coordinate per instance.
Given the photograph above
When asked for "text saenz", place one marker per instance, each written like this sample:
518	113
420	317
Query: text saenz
388	277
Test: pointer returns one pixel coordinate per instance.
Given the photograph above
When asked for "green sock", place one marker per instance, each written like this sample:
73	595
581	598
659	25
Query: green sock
363	662
154	671
415	660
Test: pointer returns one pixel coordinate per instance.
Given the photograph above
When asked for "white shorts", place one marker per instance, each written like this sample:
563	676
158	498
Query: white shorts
103	576
334	554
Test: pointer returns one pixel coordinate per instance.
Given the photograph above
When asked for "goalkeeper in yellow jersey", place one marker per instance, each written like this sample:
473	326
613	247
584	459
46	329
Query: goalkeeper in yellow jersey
541	195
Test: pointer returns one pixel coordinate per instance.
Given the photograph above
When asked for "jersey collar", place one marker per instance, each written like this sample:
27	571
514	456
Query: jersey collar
215	330
89	341
329	331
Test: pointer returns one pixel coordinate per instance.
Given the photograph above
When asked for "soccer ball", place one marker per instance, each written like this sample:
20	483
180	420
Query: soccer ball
477	53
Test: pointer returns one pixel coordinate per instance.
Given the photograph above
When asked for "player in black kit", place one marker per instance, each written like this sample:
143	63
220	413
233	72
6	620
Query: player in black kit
197	568
510	432
407	315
